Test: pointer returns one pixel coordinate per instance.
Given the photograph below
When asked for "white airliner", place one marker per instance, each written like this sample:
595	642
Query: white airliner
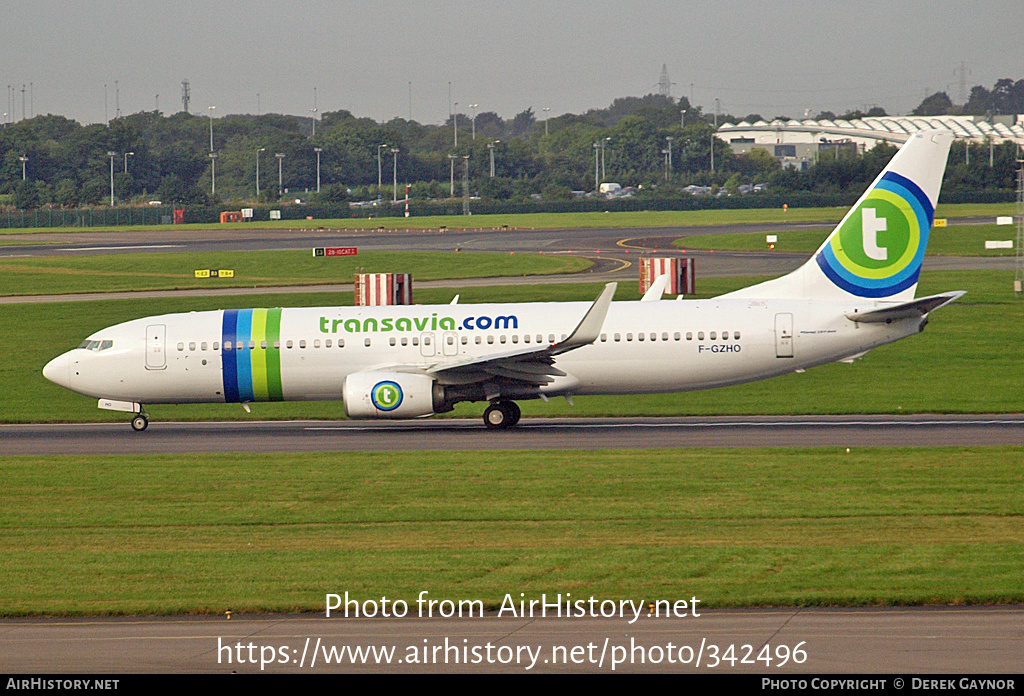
854	294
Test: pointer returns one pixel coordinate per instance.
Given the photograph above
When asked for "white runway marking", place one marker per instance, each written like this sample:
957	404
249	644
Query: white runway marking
120	248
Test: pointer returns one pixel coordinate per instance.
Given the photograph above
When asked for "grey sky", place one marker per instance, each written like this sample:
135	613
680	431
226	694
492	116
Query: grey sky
772	58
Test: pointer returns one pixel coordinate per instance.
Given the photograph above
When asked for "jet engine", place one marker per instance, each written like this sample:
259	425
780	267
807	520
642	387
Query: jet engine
391	395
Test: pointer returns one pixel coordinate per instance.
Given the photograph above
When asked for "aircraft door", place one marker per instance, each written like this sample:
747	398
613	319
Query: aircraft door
156	355
784	335
450	343
427	347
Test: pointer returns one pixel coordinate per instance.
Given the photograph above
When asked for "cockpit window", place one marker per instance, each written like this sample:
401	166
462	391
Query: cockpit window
96	346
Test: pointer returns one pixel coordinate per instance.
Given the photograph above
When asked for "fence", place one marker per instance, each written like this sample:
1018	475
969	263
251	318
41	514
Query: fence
118	216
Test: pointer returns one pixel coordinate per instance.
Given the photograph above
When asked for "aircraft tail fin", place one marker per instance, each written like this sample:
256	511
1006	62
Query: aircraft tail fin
876	250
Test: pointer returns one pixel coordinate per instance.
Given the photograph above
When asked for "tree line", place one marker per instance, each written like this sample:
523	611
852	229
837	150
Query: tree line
655	144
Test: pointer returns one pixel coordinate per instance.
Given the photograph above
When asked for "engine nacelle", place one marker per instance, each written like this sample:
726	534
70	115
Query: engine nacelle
389	395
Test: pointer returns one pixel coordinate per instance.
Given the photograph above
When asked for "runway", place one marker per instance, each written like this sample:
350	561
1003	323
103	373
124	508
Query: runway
899	643
530	434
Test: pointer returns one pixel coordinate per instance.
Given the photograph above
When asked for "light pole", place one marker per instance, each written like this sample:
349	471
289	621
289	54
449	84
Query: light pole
603	141
210	109
213	173
665	152
455	124
262	149
23	160
111	155
394	174
126	156
280	185
314	111
380	183
490	146
597	178
472	109
546	110
682	118
669	139
318	150
451	165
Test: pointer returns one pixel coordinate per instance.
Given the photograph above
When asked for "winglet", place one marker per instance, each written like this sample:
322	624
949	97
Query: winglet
587	331
657	288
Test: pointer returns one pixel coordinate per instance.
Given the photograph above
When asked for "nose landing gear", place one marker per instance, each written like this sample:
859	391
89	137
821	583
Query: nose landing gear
140	422
502	415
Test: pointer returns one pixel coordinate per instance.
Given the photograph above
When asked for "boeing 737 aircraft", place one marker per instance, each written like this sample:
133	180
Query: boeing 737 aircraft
854	294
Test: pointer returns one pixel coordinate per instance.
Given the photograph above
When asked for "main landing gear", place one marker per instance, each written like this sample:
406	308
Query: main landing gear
501	415
140	422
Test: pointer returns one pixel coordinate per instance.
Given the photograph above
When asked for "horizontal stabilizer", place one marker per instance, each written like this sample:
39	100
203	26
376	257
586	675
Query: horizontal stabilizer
906	310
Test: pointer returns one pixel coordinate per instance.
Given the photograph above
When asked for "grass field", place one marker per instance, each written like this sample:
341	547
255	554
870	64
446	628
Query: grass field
172	271
275	532
966	361
955	240
650	218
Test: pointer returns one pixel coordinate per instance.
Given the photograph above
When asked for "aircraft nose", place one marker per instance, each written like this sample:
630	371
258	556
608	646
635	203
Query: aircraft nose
58	370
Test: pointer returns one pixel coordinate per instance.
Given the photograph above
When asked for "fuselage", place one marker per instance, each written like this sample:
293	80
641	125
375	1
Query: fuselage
306	353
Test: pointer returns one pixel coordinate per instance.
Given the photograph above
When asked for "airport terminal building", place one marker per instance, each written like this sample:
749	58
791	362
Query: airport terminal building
796	143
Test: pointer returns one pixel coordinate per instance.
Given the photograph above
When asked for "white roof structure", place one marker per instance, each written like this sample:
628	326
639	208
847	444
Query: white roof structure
868	131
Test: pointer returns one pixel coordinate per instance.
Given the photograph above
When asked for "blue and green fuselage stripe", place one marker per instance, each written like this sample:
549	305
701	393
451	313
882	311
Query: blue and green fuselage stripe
251	355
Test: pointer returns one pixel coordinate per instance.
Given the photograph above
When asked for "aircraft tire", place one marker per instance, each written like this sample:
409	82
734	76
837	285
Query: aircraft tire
140	422
514	413
502	415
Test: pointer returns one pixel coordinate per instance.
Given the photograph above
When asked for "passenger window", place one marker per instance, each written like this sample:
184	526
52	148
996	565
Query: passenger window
604	338
252	345
181	346
302	343
405	341
629	337
289	344
515	339
465	340
712	335
316	343
503	338
676	335
392	341
366	342
341	342
736	335
526	338
277	345
639	337
216	345
700	335
689	335
202	346
478	340
327	343
618	338
490	339
192	347
415	340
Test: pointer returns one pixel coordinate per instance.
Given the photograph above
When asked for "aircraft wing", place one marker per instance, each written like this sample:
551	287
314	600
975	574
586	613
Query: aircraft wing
535	365
906	310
